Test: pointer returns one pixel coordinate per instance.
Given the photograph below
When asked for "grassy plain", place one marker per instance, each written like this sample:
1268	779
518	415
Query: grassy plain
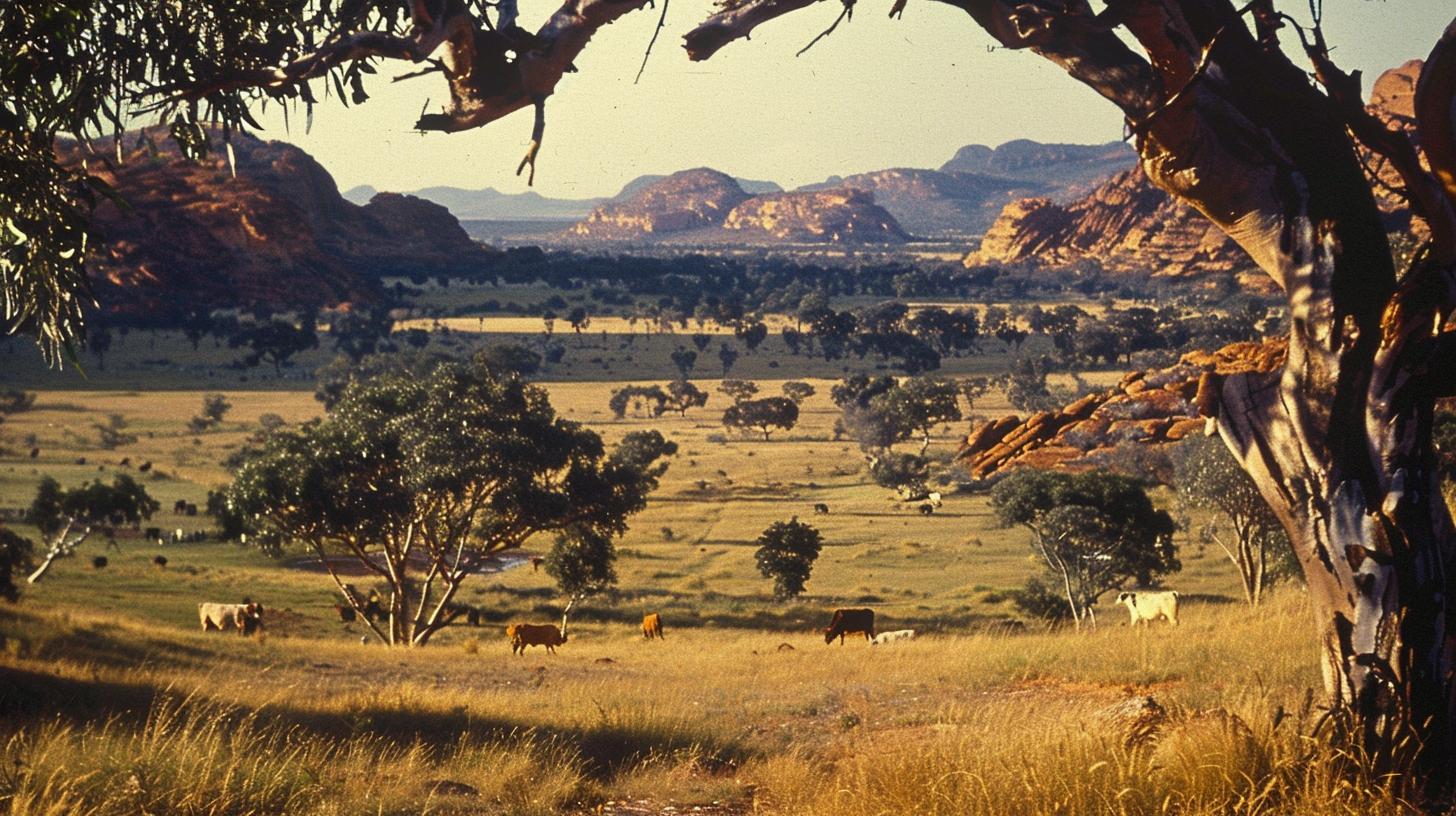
112	701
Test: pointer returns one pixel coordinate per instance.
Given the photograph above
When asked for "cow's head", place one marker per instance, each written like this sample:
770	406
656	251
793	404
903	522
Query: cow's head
251	618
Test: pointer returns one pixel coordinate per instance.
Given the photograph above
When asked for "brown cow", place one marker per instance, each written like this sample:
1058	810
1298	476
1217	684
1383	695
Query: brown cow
246	618
651	626
849	622
534	634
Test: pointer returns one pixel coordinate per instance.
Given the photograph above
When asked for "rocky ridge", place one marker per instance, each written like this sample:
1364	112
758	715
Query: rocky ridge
274	233
1128	224
1146	407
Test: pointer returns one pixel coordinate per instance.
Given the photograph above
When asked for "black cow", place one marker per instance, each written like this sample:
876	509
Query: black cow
848	622
821	509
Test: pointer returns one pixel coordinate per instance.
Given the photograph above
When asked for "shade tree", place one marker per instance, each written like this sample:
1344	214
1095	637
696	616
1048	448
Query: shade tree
1092	531
416	480
786	553
68	516
762	415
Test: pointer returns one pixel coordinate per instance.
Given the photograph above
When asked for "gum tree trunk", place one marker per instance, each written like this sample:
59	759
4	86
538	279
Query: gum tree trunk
1339	440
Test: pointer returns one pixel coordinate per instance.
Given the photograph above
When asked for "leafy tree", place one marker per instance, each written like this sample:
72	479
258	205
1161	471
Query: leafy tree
416	338
727	355
1092	531
763	415
58	512
99	343
358	333
798	391
15	401
900	471
111	435
701	341
752	334
195	326
506	359
1208	477
738	390
920	403
579	320
1025	383
683	395
333	378
786	553
275	341
215	407
16	554
684	359
416	479
651	395
582	562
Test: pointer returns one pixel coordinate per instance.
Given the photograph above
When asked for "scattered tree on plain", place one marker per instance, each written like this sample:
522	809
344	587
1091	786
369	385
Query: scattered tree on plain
1208	477
763	415
417	478
797	391
682	395
275	341
786	553
68	516
1092	531
738	390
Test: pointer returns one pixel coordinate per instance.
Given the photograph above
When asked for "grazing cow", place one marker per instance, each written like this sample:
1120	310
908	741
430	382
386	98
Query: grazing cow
34	452
534	634
346	613
1147	607
99	562
821	509
652	626
180	507
191	509
153	534
849	622
246	618
926	508
933	498
144	466
160	562
890	637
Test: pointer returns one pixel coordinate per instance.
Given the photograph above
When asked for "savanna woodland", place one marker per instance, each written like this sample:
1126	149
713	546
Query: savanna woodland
1338	437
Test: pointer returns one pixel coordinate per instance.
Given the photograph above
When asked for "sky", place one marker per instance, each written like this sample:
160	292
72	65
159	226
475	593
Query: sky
877	93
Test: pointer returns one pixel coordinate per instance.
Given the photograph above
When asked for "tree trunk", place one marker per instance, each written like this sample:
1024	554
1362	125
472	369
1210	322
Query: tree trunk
1339	440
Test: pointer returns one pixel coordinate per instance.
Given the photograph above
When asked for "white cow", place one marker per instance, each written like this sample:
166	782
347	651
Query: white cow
890	637
1147	607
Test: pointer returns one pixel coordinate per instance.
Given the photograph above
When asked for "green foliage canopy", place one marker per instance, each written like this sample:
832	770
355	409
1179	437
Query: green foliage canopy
418	478
786	553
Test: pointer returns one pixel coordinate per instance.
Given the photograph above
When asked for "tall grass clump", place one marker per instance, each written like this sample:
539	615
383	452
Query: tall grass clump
198	757
1035	756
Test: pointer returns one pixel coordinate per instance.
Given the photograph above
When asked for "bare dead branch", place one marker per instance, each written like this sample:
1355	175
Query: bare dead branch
847	13
661	23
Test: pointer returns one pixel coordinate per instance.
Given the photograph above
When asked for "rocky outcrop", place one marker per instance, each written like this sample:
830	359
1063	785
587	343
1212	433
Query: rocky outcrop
267	228
1145	408
1127	224
933	204
688	200
1069	170
843	215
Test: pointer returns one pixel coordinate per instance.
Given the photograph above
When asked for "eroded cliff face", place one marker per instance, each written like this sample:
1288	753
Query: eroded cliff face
194	236
1126	224
687	200
841	215
931	203
1147	408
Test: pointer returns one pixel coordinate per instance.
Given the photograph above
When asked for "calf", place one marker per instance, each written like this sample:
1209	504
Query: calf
652	626
926	509
534	634
850	622
246	618
821	509
890	637
1147	607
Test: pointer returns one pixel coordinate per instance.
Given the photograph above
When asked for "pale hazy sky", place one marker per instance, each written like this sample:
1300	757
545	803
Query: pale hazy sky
875	94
